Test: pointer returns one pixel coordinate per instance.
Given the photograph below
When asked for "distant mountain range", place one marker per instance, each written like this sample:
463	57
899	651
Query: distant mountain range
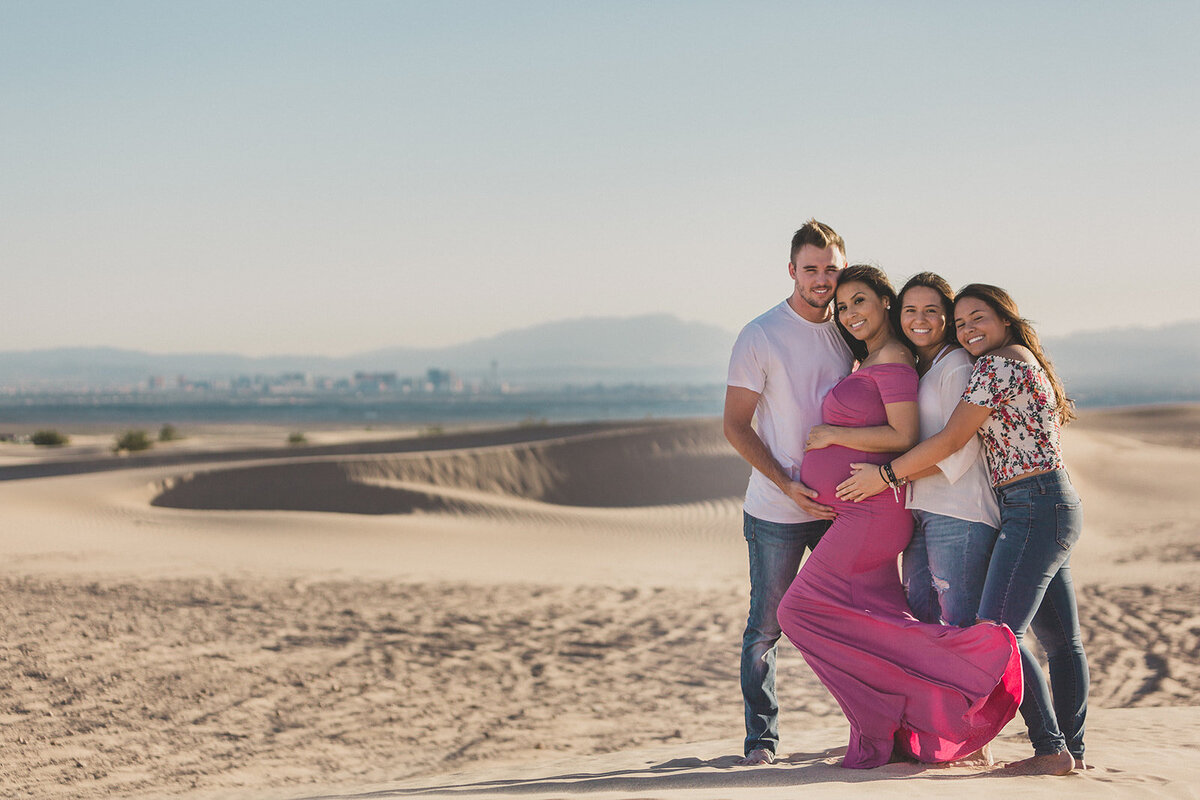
656	348
1099	367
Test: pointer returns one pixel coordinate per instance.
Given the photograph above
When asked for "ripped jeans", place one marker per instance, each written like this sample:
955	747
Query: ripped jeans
944	567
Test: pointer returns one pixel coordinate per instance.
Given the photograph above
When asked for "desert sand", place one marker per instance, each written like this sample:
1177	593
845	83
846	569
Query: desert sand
538	612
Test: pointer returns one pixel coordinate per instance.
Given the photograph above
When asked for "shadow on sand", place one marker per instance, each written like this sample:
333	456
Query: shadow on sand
679	774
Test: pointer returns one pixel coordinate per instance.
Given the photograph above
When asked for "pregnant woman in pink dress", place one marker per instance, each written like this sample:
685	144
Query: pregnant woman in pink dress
909	689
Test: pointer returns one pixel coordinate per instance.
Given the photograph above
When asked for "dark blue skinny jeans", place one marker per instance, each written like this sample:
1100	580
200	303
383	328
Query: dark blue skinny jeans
1029	585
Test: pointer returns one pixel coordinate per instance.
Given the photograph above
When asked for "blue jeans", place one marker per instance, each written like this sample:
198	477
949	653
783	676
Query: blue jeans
776	549
944	567
1029	584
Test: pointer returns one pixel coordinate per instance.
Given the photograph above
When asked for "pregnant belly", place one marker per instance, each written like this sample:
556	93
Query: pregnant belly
824	469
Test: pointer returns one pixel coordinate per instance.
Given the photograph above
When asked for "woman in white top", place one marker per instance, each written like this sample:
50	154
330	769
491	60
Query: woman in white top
955	512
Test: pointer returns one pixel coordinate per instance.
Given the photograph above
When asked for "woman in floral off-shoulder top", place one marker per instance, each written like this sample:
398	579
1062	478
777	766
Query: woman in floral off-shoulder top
1018	405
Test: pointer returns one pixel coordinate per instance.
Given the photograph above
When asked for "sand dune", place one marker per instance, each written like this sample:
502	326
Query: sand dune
536	618
1174	425
673	463
95	454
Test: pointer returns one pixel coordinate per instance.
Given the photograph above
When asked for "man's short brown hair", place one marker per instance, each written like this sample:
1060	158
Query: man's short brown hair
819	235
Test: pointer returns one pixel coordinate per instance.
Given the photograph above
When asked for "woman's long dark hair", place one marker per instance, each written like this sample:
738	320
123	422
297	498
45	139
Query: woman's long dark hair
930	280
1023	333
875	279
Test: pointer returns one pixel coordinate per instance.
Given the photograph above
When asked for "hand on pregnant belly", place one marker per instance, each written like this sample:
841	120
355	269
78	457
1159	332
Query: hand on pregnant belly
804	495
821	436
824	469
864	481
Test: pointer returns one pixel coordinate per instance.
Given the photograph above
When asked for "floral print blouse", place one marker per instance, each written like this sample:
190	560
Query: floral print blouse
1022	433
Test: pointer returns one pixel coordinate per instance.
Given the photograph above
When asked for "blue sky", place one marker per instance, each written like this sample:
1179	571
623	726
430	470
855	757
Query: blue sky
282	177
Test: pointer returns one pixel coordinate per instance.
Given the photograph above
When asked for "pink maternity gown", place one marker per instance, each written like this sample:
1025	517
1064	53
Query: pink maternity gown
934	692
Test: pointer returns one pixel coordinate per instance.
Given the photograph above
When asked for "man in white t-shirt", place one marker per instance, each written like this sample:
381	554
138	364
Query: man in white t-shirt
783	364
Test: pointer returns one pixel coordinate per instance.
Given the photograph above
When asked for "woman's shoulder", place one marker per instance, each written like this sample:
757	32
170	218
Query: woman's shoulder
952	360
1013	367
894	374
952	370
894	353
1014	352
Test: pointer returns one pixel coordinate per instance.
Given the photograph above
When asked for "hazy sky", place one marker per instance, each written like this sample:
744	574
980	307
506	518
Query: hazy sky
283	177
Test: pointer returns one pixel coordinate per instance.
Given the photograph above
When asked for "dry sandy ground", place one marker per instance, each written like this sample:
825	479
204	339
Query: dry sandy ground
543	619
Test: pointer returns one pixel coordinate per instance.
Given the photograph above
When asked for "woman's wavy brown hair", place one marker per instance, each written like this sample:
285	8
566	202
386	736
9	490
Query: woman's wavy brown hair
877	281
1023	333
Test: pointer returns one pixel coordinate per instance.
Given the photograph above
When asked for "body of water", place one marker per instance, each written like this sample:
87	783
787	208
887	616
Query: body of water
20	413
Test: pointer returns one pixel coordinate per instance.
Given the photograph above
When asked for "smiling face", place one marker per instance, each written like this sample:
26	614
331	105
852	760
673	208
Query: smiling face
980	329
860	310
923	318
815	270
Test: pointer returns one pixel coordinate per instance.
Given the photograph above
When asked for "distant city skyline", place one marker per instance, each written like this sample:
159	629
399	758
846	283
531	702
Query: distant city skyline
328	178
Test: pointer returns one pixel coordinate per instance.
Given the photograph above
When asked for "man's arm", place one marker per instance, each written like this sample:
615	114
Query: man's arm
739	414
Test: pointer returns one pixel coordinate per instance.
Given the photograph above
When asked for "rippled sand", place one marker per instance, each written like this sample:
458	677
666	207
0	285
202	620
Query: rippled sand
541	618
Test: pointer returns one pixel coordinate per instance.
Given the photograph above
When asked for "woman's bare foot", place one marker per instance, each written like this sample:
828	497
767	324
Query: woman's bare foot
1080	765
980	758
1057	764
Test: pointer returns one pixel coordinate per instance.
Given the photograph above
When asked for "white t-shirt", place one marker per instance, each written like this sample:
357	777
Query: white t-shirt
792	364
962	490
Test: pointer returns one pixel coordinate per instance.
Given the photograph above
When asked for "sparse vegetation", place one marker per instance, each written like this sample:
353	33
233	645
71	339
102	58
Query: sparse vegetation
133	441
297	438
433	430
49	438
168	433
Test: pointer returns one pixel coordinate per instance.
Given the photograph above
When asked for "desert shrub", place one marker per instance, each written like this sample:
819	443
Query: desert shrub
168	433
49	438
133	441
297	438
